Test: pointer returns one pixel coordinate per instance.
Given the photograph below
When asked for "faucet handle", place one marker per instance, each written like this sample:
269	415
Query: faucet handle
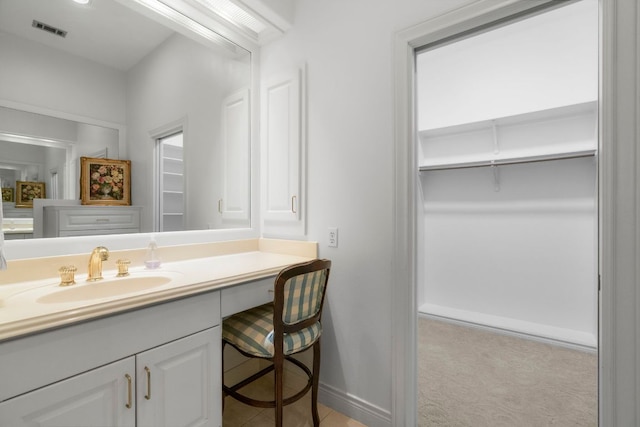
67	275
123	267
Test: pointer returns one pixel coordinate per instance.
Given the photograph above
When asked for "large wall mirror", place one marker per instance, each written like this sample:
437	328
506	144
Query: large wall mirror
117	79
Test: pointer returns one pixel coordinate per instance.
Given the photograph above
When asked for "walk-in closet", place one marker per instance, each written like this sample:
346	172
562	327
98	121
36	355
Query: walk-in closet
507	125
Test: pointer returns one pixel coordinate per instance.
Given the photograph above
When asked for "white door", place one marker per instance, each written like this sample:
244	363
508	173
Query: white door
281	147
99	398
179	383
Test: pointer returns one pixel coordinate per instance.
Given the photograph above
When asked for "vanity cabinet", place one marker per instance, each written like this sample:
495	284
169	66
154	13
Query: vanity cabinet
171	385
94	398
157	366
65	221
178	384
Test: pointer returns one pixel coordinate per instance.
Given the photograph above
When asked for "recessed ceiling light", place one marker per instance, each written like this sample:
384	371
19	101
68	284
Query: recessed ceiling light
82	1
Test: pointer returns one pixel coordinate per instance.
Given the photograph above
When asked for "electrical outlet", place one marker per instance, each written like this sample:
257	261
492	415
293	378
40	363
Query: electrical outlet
333	237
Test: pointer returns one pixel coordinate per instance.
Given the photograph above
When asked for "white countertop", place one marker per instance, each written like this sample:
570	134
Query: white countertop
17	225
23	309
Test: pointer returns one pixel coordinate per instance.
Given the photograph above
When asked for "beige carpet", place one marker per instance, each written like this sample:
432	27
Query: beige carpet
472	377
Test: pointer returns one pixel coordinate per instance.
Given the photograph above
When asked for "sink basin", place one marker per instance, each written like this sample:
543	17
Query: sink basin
103	289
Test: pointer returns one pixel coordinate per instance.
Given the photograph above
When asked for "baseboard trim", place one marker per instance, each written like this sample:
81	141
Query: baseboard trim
353	407
509	332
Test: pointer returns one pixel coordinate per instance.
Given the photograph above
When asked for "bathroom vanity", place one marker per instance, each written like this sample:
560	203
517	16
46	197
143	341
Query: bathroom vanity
141	350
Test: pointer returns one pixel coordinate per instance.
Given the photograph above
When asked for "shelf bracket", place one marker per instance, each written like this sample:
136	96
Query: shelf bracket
496	176
496	147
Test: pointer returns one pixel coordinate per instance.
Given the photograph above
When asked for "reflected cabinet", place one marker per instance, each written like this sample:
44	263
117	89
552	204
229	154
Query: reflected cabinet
66	221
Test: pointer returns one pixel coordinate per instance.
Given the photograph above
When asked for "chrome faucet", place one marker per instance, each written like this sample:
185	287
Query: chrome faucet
98	255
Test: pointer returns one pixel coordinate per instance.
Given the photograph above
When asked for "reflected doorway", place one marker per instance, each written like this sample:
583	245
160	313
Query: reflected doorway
171	188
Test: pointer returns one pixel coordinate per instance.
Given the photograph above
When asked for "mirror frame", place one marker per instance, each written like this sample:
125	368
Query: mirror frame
182	18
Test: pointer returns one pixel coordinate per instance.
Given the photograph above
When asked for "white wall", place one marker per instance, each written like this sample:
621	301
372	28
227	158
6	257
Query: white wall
523	258
52	79
500	72
181	79
347	47
36	125
32	157
85	138
92	139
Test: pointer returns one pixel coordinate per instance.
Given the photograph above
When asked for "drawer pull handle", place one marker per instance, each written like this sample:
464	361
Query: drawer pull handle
102	219
148	395
129	395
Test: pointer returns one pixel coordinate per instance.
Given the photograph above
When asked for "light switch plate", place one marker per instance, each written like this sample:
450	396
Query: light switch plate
333	237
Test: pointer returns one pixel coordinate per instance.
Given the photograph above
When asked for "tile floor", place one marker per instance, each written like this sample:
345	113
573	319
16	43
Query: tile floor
298	414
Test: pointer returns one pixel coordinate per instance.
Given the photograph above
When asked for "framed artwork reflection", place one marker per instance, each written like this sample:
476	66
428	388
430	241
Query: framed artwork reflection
105	181
26	191
8	194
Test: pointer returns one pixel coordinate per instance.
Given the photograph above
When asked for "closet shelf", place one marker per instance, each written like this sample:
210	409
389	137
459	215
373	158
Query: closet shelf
557	133
504	160
566	111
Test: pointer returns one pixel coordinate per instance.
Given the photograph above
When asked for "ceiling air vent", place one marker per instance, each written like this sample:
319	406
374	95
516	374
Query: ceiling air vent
48	28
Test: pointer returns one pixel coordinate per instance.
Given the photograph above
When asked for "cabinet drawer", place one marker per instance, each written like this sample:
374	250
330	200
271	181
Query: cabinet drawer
93	231
90	220
241	297
105	218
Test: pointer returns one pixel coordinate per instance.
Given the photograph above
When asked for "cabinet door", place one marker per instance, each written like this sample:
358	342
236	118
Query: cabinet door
235	203
282	137
97	398
179	383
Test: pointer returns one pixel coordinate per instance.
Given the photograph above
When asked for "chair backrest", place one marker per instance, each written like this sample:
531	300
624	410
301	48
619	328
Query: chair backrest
299	292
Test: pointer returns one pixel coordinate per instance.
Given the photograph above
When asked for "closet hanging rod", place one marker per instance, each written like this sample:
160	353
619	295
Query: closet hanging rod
510	161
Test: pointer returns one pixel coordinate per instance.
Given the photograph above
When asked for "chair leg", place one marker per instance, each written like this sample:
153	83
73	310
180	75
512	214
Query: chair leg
222	374
316	382
279	393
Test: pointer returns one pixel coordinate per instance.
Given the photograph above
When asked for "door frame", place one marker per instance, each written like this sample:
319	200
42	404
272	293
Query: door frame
618	197
155	135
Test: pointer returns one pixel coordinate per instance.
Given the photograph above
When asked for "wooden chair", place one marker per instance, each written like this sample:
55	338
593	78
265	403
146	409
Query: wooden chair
278	330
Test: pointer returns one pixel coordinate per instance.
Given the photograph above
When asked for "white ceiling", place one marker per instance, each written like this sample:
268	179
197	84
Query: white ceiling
103	31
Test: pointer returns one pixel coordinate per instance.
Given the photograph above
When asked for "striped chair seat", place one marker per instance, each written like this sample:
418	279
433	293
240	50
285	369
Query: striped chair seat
252	332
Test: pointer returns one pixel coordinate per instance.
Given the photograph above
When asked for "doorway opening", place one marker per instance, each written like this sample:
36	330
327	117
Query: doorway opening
170	206
507	207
